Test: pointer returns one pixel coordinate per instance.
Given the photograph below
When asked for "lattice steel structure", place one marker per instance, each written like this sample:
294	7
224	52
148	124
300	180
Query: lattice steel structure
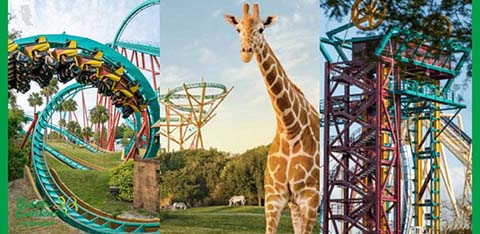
393	78
365	167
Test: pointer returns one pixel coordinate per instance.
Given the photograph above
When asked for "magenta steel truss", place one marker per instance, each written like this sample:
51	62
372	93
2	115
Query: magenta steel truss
362	147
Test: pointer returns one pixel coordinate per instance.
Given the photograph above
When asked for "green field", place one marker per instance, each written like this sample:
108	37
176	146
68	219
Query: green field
90	186
105	160
221	219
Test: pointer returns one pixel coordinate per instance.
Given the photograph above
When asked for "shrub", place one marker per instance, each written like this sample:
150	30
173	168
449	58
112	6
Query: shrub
17	158
122	177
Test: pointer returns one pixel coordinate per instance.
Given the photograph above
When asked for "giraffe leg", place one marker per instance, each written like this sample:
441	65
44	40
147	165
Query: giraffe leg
274	204
308	204
296	218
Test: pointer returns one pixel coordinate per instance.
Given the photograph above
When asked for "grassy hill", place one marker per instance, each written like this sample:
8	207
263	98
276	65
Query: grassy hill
90	186
105	160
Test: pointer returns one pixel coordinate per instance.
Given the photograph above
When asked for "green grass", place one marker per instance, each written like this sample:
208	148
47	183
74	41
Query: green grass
90	186
105	160
221	219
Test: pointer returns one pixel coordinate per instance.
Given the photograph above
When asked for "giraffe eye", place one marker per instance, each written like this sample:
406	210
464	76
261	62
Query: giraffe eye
238	30
261	30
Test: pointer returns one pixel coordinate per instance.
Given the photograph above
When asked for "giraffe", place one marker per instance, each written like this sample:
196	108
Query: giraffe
292	170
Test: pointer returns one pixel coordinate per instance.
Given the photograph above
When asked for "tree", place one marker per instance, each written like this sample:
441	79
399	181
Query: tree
192	176
35	100
127	136
12	100
415	14
74	128
69	106
60	108
17	157
120	131
87	133
62	124
13	33
51	89
48	91
98	115
244	175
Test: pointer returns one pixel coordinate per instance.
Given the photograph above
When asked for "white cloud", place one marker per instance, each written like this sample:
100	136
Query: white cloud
217	13
173	74
260	100
207	56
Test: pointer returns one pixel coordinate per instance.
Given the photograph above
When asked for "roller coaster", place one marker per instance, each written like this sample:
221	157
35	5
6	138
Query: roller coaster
388	113
187	112
118	82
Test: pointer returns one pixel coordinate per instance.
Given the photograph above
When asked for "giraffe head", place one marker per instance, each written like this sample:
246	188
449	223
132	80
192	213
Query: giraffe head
250	29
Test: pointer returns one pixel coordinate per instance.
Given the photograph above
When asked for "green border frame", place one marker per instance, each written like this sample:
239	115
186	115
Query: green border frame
475	115
4	117
4	123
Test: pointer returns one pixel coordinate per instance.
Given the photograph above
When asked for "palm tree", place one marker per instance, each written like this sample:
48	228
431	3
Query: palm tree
51	89
35	100
98	115
62	123
69	106
48	91
74	128
60	109
12	100
87	133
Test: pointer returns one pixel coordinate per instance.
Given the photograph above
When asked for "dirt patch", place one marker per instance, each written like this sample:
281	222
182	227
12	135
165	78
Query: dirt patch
134	214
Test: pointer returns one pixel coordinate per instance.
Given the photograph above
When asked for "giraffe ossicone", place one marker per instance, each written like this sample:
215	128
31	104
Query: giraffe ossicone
292	174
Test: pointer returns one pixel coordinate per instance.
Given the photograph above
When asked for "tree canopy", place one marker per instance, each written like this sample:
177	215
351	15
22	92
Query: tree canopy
415	15
206	177
34	100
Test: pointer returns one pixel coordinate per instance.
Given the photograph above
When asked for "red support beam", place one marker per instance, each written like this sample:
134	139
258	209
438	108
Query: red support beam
154	75
29	131
76	118
154	70
138	137
147	129
132	55
84	111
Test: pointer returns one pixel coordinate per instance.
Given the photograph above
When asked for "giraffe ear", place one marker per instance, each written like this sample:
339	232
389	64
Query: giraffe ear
232	20
270	20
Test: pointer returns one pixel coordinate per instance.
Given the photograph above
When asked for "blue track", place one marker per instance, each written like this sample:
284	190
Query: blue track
69	136
64	159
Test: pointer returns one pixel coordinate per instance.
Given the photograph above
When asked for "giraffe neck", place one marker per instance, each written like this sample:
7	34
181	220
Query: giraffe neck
285	96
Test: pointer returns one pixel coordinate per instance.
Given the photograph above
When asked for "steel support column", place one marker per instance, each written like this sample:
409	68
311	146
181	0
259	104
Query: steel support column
362	148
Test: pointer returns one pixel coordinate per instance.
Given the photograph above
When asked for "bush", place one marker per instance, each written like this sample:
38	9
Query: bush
17	158
122	177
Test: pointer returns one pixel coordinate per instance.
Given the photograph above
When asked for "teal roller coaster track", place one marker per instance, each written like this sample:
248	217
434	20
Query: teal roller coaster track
84	218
